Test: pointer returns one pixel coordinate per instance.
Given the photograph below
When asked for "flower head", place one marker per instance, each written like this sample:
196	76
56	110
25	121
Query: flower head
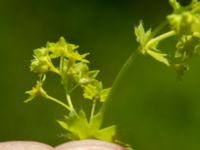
62	48
42	62
37	90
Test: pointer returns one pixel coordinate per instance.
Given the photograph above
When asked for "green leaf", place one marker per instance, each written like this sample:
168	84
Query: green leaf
78	127
96	122
161	57
107	133
104	94
75	124
142	36
63	124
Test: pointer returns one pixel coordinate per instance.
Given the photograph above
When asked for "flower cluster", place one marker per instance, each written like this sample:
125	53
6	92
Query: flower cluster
74	72
184	23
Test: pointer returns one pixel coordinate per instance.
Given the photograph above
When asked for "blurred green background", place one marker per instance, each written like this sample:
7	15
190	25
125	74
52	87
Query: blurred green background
152	108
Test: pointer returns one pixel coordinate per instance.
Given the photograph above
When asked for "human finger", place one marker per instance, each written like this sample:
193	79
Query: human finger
24	145
89	145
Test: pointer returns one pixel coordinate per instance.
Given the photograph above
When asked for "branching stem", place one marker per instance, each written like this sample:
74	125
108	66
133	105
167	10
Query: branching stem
132	57
160	38
58	102
69	101
118	78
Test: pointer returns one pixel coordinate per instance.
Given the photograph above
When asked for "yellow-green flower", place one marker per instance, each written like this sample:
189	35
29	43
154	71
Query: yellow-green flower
62	48
37	90
95	91
42	62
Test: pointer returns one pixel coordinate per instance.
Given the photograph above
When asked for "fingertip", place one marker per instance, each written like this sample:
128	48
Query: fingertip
89	145
24	145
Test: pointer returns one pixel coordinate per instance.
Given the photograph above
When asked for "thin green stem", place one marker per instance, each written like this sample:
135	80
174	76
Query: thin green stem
64	80
61	63
62	70
42	78
69	101
58	102
63	73
160	38
118	78
73	88
131	59
93	109
52	67
160	27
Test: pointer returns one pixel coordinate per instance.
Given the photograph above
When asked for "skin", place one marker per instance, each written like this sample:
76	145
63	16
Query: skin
75	145
24	145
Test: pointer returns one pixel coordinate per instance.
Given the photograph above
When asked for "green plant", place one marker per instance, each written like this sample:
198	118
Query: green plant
184	24
74	72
